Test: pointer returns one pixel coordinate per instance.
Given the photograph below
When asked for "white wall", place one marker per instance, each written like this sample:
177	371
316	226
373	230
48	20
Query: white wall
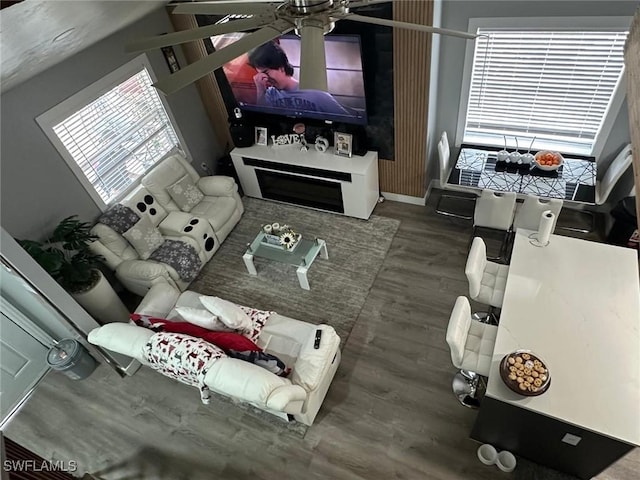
37	187
456	15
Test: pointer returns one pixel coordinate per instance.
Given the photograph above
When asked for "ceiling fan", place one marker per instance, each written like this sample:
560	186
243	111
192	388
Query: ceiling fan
311	20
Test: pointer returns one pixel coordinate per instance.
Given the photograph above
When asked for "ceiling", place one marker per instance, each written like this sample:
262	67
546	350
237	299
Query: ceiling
37	34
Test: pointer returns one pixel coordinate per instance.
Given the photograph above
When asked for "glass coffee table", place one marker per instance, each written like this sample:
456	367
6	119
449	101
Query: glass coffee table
301	256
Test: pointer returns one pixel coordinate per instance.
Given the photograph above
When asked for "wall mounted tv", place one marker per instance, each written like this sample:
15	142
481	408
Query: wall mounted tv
265	80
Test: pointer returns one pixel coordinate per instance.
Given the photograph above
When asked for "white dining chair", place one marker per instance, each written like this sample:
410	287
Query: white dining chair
616	169
605	186
444	157
528	213
487	280
471	343
494	211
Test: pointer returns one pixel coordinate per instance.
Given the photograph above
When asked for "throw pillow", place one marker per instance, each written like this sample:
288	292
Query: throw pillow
182	357
202	318
144	237
228	312
120	218
185	193
231	341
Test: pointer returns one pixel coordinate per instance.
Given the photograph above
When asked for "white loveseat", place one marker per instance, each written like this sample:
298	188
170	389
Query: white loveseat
300	395
205	226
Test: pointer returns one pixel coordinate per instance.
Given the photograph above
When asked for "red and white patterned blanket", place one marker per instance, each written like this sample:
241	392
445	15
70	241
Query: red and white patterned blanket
258	319
184	358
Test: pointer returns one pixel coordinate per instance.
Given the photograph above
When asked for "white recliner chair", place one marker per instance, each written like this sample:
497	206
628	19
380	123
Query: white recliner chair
204	225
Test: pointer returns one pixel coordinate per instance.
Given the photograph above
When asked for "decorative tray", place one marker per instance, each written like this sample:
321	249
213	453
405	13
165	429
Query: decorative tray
525	373
270	241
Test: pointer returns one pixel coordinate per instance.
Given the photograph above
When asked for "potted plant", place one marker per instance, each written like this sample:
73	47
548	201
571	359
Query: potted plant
66	256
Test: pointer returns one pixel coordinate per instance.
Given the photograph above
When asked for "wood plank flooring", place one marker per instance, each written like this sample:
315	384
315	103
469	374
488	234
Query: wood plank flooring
390	412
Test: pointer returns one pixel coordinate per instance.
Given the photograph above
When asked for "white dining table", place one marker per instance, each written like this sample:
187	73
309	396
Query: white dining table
576	305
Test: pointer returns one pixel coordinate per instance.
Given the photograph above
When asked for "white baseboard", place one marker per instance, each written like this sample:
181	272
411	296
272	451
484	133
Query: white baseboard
397	197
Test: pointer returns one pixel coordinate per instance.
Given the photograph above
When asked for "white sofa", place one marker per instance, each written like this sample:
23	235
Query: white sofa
215	215
300	395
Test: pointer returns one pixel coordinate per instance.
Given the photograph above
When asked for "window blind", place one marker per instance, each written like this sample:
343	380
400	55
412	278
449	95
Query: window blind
554	85
119	136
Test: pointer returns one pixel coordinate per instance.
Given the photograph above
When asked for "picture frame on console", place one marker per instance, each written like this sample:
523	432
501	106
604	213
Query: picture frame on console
262	137
343	144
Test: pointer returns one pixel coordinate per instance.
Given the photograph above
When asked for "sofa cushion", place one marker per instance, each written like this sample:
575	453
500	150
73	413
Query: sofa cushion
228	312
217	210
144	237
185	193
166	173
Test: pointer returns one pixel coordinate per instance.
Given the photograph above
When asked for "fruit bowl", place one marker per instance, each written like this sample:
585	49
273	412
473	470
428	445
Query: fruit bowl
547	160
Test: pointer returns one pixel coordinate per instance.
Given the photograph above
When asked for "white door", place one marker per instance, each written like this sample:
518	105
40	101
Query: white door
23	362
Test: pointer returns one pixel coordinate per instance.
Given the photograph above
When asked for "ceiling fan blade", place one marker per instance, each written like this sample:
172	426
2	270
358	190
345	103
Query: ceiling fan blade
225	7
313	60
150	43
364	3
410	26
199	69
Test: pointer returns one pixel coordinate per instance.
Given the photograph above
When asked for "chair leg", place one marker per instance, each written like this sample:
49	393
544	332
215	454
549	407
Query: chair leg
452	214
469	391
465	390
489	317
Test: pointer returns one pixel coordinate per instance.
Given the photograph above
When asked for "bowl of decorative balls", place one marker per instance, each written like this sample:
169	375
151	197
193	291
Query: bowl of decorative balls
525	373
547	160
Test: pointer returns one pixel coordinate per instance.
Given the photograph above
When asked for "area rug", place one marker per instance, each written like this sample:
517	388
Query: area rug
339	285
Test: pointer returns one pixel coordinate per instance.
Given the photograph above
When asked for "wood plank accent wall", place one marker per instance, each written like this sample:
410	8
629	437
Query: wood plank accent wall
411	62
207	85
412	57
632	64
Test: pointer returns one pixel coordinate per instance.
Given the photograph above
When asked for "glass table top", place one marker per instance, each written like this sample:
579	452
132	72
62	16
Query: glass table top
303	254
478	167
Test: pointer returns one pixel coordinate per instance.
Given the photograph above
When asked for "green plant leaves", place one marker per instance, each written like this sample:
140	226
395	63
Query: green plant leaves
65	255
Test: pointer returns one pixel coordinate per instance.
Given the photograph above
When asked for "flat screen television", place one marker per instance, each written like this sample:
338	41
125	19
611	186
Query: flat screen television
265	81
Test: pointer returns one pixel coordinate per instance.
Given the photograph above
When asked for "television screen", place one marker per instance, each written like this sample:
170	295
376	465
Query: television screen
265	80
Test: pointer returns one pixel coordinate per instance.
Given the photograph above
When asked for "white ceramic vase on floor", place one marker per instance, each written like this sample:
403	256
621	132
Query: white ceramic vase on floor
103	303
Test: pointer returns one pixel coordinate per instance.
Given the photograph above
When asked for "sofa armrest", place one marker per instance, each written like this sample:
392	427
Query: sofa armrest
159	300
122	338
250	383
218	186
288	398
142	270
312	364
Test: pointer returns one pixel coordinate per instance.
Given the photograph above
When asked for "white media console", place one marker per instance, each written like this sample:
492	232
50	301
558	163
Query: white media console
324	181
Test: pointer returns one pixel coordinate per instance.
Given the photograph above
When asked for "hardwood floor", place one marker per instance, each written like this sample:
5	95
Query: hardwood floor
390	412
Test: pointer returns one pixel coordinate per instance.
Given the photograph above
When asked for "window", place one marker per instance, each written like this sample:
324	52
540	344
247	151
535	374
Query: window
113	131
559	85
